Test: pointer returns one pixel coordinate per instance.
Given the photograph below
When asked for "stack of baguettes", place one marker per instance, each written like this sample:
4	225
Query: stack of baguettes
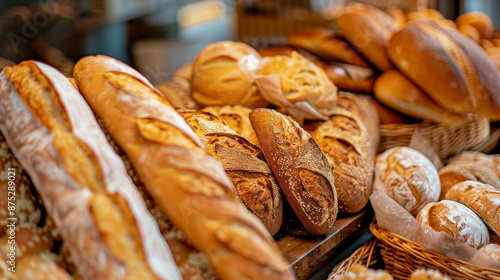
114	225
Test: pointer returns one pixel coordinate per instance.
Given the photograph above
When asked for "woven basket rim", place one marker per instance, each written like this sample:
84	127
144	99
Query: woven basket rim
448	265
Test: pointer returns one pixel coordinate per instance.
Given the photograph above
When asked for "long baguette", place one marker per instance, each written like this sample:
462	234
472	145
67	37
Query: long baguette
83	184
188	184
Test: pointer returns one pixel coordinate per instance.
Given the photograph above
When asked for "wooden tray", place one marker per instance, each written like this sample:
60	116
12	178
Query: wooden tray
307	253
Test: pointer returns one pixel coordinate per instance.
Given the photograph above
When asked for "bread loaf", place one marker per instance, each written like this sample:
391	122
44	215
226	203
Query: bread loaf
490	161
387	115
189	185
408	177
368	29
492	250
480	198
428	274
479	20
349	140
300	167
178	92
218	78
456	220
460	171
83	184
359	272
245	166
350	78
324	43
394	90
237	118
462	79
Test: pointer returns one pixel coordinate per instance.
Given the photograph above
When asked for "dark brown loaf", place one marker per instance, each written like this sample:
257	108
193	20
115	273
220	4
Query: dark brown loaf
83	184
245	166
189	185
480	198
349	140
300	167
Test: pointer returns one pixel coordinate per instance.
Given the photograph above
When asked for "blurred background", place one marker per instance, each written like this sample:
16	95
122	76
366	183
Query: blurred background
159	36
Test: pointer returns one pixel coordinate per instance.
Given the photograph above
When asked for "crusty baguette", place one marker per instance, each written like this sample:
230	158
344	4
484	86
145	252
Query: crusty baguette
189	185
480	198
300	167
245	166
490	161
349	140
83	184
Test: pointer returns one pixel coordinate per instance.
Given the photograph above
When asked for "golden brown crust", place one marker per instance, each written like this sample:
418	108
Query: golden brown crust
350	78
480	198
349	140
479	21
41	267
368	29
300	167
463	78
178	92
490	161
245	165
324	43
76	172
188	184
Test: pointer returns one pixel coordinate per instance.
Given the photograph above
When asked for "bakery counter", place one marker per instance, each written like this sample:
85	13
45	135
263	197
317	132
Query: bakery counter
309	254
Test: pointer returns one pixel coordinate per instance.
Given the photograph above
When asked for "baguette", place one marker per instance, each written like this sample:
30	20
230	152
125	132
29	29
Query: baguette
480	198
300	167
349	140
245	166
189	185
83	184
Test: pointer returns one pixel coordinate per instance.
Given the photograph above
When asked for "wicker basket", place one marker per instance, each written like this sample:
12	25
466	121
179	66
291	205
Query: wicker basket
366	255
401	257
447	140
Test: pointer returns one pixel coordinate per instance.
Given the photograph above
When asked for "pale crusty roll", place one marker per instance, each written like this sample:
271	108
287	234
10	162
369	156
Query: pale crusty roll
456	220
480	198
479	20
408	177
217	78
189	185
462	78
490	161
396	91
349	140
324	43
460	171
237	118
368	29
83	184
300	167
245	166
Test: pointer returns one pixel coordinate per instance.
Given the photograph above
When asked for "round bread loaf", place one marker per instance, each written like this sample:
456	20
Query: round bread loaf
218	78
456	220
408	177
492	250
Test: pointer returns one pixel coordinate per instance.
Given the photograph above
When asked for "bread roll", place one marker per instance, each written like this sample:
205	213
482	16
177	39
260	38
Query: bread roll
462	79
408	177
189	185
218	78
245	166
388	115
480	198
349	144
359	272
350	78
461	171
432	14
479	20
394	90
40	267
470	31
185	72
178	92
237	118
324	43
428	274
368	29
492	250
397	14
490	161
300	167
301	81
456	220
83	184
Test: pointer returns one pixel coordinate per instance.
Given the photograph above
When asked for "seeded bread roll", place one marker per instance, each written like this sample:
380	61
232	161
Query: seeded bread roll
300	167
460	171
480	198
237	118
490	161
245	166
188	184
456	220
349	140
408	177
